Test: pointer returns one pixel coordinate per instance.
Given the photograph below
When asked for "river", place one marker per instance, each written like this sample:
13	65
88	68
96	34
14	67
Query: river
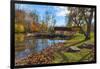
33	46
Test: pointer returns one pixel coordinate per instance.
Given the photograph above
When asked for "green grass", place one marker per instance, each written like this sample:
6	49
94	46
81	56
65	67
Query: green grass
74	57
77	40
57	58
71	57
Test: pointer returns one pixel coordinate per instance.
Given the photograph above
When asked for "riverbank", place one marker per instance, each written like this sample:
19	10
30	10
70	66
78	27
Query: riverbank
44	57
78	41
55	54
58	53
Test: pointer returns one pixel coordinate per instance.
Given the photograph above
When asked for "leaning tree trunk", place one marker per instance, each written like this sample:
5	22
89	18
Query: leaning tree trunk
81	29
89	25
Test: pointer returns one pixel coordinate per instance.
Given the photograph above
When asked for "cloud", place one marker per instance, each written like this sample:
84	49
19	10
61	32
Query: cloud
61	11
29	8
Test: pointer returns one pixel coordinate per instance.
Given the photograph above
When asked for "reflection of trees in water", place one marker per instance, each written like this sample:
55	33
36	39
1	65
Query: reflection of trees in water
25	48
33	46
36	45
29	44
40	44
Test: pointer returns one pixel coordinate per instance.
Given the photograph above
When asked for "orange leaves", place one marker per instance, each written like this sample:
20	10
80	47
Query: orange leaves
38	58
34	27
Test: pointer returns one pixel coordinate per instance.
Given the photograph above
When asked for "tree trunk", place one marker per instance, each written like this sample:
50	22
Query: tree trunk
81	29
89	25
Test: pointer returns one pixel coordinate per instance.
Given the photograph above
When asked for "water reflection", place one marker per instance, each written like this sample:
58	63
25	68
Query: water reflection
33	46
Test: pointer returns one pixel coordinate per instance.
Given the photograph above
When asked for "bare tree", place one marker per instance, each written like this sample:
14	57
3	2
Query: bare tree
80	16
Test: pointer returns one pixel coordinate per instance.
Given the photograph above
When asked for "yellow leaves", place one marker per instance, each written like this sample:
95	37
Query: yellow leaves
19	27
19	37
33	27
44	27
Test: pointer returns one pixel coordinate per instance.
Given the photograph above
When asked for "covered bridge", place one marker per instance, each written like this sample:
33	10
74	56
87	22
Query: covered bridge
66	30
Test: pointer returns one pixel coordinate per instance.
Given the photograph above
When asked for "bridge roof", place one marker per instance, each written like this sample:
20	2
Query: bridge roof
64	28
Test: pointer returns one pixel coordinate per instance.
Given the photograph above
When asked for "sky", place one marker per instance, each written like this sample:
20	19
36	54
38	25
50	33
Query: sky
58	11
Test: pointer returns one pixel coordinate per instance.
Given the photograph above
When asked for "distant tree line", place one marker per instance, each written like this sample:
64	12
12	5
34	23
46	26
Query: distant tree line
32	21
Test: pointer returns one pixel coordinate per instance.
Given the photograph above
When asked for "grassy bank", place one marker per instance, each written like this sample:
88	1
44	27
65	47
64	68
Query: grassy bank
77	40
58	51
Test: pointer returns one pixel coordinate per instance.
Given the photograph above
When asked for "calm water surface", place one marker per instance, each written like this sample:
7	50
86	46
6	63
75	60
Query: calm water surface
33	46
